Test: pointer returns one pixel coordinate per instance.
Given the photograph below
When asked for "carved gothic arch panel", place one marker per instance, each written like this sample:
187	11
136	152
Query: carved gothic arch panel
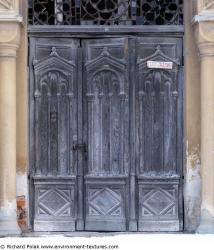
158	55
53	82
54	73
103	64
164	78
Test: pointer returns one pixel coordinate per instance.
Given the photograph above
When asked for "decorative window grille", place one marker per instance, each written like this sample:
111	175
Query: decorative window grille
106	12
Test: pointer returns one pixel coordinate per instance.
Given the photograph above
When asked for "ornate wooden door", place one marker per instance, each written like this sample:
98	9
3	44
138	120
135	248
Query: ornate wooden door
106	134
53	133
159	134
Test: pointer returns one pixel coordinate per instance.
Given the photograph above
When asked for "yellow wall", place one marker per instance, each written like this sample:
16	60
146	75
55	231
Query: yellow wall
22	114
192	105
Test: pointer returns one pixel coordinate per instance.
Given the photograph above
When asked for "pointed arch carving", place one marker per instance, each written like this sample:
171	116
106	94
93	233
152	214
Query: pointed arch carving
157	94
54	73
54	94
105	63
107	94
158	55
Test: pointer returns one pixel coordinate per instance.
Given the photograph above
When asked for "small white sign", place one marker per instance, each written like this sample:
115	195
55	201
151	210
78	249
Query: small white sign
159	65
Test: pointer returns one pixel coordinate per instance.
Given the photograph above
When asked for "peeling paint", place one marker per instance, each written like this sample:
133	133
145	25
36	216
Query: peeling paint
8	210
206	223
22	197
21	212
8	219
21	184
193	155
192	189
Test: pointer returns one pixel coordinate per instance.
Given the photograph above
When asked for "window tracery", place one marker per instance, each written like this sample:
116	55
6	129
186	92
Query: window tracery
105	12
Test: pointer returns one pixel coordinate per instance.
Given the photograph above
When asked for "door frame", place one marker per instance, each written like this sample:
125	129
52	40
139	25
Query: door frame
92	31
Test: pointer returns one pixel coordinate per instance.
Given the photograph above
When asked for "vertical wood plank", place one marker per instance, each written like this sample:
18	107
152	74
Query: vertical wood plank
81	155
132	135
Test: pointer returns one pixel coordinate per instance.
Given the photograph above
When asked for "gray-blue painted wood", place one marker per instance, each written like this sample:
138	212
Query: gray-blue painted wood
105	133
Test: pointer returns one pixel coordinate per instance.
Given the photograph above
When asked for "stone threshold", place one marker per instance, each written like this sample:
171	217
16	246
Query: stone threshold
93	234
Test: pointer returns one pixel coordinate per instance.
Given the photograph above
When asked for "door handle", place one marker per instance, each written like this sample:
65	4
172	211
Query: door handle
77	146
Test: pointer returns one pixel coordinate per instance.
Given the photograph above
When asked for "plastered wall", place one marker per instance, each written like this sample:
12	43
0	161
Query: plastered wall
22	121
192	187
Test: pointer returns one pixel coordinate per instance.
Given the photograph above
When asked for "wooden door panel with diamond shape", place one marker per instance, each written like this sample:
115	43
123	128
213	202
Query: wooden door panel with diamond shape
159	135
106	111
53	123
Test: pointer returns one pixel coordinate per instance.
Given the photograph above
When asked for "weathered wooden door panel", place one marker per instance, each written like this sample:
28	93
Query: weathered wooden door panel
53	123
159	135
106	135
106	116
